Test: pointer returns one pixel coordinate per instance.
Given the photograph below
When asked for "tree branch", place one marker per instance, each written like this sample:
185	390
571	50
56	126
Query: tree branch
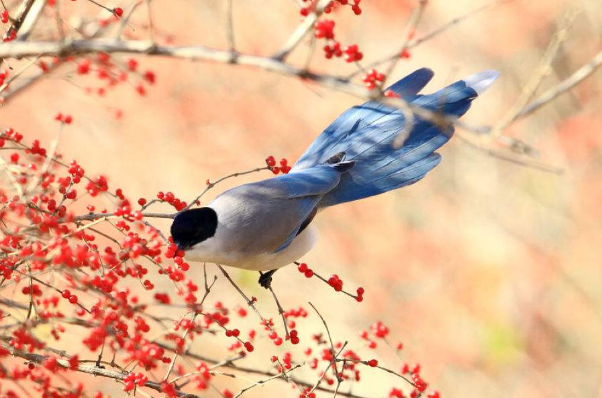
93	370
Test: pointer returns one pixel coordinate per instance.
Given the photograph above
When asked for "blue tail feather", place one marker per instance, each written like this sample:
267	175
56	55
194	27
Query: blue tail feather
361	116
366	133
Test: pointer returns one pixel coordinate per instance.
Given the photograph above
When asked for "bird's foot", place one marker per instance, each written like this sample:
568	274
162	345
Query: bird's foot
265	279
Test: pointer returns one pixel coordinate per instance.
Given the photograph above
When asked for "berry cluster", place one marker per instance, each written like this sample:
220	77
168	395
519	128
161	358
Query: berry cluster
134	379
352	53
336	283
305	270
65	119
3	76
284	168
355	7
170	198
324	29
372	78
108	72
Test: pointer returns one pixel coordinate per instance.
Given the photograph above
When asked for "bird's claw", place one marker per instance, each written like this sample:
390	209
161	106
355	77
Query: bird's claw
265	279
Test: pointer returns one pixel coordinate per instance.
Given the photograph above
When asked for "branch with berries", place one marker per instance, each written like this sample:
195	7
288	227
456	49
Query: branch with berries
99	273
316	21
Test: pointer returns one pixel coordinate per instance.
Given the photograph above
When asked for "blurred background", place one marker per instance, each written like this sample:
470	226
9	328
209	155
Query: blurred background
489	272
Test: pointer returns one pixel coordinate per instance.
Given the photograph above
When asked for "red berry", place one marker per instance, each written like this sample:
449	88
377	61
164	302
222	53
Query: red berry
270	161
118	11
373	363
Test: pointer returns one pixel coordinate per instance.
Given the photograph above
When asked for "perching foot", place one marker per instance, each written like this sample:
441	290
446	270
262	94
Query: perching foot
265	279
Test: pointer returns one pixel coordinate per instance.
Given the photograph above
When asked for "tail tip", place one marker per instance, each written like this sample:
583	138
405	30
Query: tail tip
481	81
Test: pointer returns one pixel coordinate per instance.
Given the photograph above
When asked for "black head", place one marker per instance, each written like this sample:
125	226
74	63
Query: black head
193	226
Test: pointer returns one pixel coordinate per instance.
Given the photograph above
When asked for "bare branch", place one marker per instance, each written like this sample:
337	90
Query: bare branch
442	29
249	301
543	70
31	19
280	311
336	371
283	375
210	184
408	32
567	84
23	12
93	370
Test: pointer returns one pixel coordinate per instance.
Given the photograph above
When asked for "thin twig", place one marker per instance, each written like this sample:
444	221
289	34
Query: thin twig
409	31
210	184
283	375
336	371
509	157
280	311
567	84
543	70
438	31
250	302
302	30
316	386
93	370
390	371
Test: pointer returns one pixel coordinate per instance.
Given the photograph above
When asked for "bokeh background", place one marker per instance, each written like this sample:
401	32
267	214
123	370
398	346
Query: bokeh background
489	272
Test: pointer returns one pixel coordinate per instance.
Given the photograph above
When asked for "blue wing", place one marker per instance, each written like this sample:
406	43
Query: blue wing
302	191
360	116
312	182
366	133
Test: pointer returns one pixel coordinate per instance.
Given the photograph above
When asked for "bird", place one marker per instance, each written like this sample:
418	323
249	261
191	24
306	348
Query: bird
266	225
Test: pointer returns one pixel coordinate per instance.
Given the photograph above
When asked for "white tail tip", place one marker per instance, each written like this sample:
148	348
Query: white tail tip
481	81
